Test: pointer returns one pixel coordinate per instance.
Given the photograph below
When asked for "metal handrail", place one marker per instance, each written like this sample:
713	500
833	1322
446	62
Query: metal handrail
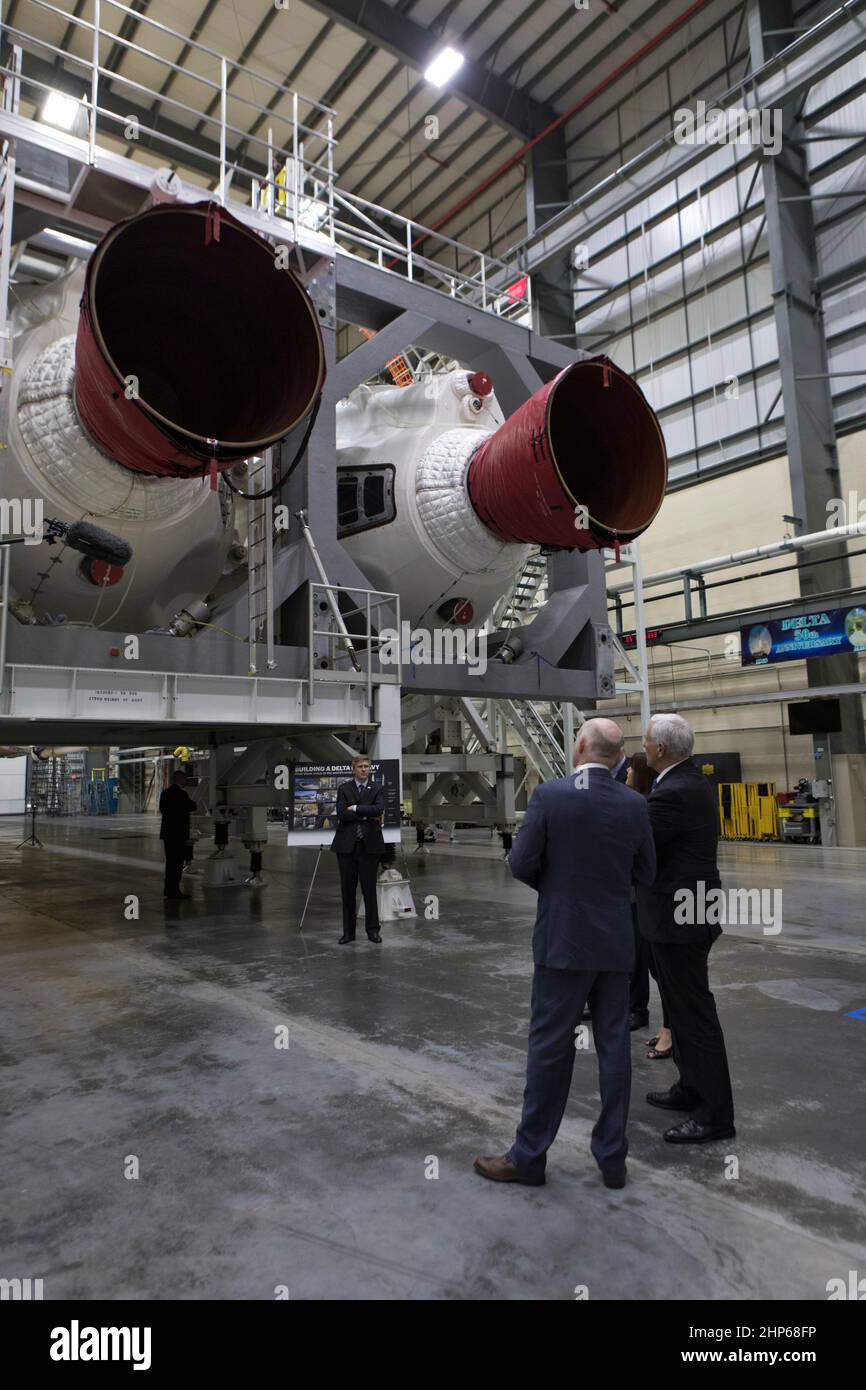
90	66
474	285
373	599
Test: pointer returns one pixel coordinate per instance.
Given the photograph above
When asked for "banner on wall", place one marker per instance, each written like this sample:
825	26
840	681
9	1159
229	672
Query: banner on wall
823	632
313	799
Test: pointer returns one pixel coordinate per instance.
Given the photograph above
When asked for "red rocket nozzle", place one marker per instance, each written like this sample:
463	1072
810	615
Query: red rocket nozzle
194	347
580	465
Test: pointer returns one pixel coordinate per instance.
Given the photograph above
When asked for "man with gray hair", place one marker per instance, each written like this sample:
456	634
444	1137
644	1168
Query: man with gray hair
583	842
685	823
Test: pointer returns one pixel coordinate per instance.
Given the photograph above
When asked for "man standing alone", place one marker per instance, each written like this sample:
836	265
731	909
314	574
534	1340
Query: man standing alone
685	822
175	807
359	844
583	841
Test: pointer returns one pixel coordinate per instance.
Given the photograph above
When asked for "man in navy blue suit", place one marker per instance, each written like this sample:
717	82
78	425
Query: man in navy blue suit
583	842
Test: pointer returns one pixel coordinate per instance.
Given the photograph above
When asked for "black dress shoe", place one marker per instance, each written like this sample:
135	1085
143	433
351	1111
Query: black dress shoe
614	1177
344	939
638	1020
695	1132
674	1099
373	936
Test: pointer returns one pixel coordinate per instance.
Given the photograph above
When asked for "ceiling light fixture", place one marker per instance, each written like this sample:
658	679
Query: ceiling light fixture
444	66
60	110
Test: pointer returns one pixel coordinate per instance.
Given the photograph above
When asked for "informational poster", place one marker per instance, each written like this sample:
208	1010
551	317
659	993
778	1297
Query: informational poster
825	632
313	799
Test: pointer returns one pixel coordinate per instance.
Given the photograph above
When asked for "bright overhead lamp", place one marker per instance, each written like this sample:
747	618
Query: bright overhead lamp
444	66
60	110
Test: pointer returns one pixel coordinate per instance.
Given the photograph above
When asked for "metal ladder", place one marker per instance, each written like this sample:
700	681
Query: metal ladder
260	558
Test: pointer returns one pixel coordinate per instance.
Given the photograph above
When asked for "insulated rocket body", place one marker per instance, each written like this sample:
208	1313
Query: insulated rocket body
182	348
459	494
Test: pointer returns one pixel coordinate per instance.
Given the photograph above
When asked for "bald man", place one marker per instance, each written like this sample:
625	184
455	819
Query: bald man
585	839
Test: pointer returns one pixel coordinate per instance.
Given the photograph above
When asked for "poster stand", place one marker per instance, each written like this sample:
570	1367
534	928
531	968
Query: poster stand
310	889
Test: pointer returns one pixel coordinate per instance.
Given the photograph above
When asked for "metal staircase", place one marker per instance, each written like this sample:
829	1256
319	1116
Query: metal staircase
513	607
536	727
540	735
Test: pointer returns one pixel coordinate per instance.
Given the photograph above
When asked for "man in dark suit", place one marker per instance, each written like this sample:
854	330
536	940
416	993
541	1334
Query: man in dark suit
175	807
685	822
583	840
358	844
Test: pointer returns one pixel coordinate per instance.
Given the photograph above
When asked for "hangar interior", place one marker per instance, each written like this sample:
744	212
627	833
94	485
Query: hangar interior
252	525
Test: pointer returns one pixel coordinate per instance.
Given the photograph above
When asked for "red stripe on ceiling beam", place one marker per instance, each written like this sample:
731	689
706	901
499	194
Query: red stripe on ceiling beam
560	120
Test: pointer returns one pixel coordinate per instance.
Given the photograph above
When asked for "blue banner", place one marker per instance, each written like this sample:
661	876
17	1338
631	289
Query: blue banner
824	632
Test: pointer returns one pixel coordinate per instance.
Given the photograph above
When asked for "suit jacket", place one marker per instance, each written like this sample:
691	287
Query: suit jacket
175	807
685	821
370	803
580	848
623	772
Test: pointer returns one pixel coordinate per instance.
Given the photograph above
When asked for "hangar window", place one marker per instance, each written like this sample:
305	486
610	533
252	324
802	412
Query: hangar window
365	498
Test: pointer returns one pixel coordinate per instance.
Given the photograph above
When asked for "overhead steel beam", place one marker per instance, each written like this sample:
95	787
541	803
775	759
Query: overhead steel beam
416	45
686	631
778	83
767	697
813	460
546	191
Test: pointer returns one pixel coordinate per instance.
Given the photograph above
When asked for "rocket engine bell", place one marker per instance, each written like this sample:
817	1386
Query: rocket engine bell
183	348
459	493
223	352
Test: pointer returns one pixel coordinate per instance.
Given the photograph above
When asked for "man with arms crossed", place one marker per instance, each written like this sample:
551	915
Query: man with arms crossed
583	841
359	844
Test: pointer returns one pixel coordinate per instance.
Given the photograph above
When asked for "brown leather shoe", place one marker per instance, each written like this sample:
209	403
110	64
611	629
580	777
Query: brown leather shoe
501	1170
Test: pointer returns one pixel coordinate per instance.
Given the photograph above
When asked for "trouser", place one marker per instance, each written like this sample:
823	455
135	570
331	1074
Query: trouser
175	853
354	866
558	998
666	1022
638	984
698	1041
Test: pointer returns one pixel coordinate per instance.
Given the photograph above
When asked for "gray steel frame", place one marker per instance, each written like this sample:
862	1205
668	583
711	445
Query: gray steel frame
568	646
813	461
826	48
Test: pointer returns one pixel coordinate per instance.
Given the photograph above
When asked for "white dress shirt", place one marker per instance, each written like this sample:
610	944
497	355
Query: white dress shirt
666	770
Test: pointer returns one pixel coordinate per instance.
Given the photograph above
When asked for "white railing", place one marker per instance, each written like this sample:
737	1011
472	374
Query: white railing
300	181
310	125
353	638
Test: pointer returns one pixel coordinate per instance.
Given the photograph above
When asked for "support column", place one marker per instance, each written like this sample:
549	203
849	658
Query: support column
808	407
546	195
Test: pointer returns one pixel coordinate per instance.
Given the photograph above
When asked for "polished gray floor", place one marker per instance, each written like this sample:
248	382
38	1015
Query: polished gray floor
153	1045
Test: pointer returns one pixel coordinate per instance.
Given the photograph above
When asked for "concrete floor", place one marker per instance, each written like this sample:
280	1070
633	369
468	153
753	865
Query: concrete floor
305	1167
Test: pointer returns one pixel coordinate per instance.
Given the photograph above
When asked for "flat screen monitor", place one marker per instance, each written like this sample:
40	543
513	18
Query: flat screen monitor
815	717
